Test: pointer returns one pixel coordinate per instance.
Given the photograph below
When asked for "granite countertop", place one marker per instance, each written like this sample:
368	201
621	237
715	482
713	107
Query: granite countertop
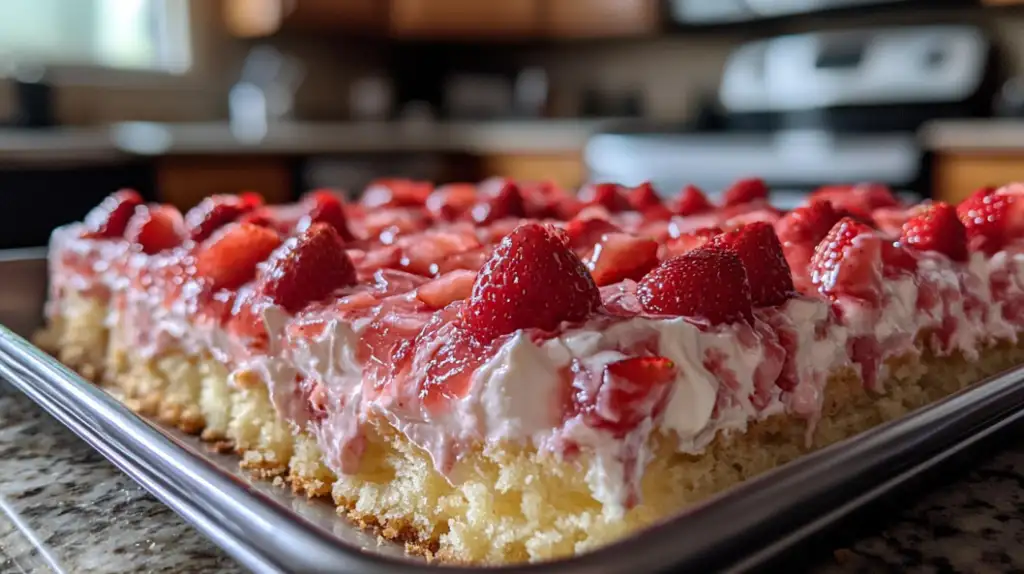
64	508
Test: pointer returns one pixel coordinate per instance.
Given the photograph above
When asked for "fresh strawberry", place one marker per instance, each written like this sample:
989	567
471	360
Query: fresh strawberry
642	197
757	246
450	202
230	258
611	196
155	228
396	193
848	261
260	216
214	212
110	218
541	199
498	202
861	199
251	199
768	215
307	268
807	224
454	286
470	260
706	283
890	220
532	280
324	207
692	201
936	228
690	241
619	256
992	218
631	390
745	191
585	233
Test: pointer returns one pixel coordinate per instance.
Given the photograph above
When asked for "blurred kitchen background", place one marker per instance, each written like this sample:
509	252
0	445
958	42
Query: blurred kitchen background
183	98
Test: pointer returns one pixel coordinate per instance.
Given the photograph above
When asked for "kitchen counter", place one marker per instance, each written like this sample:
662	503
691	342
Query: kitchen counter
63	508
988	135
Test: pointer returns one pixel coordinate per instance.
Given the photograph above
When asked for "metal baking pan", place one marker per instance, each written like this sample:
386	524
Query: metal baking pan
269	530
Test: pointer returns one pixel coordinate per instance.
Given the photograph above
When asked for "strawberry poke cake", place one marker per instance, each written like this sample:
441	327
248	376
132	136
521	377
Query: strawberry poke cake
506	372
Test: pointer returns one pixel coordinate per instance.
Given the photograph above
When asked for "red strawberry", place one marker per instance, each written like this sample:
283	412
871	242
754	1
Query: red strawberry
807	225
251	199
532	280
706	283
745	191
324	207
692	201
848	261
690	241
890	220
608	195
631	391
307	268
771	281
450	202
230	258
642	197
261	216
213	213
498	202
454	286
396	193
585	233
619	256
936	228
155	228
110	218
992	218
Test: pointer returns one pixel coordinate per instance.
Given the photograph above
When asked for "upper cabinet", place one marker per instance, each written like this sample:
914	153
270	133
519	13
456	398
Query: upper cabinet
450	20
469	19
598	18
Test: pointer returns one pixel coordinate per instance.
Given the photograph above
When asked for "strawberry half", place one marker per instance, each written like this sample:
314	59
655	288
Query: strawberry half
745	191
692	201
213	213
757	246
583	234
396	193
706	283
110	218
690	241
936	228
611	196
155	228
807	225
324	206
642	197
848	261
450	202
307	268
454	286
992	218
230	258
532	280
619	256
631	391
498	202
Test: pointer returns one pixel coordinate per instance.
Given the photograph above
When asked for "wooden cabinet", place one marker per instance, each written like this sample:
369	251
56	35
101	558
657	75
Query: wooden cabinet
467	19
256	18
598	18
958	174
184	181
565	169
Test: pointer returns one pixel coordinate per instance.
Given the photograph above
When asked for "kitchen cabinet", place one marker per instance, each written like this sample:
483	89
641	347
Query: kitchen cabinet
463	19
957	174
564	169
570	19
184	181
256	18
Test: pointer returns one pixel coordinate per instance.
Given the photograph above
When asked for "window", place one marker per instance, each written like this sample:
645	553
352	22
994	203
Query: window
149	35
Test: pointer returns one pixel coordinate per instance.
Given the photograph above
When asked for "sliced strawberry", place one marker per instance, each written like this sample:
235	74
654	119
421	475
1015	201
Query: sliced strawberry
110	218
642	197
706	283
212	213
396	193
325	207
532	280
619	256
450	202
155	228
251	199
861	199
421	253
472	260
936	228
692	201
260	216
848	261
890	220
454	286
307	268
631	391
541	199
387	224
230	258
690	241
992	218
745	191
771	281
498	202
807	225
585	233
611	196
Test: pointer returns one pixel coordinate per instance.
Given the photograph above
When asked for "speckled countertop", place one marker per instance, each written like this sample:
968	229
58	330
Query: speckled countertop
63	508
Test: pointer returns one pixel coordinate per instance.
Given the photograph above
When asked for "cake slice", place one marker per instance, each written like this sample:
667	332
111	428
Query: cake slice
507	372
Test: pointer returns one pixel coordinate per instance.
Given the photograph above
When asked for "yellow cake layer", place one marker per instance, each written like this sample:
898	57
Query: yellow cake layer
515	504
